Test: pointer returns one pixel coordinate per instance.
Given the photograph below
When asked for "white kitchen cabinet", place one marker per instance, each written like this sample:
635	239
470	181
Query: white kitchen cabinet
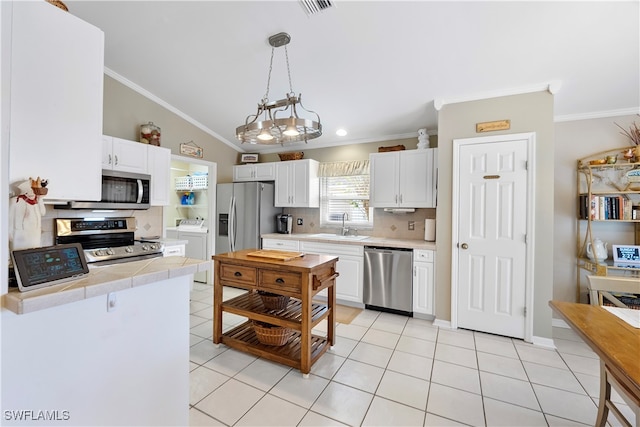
350	265
123	155
56	64
297	184
281	244
423	282
255	172
159	165
403	179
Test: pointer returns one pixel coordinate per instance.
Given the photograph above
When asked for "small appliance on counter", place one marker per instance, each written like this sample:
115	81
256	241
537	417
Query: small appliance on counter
284	223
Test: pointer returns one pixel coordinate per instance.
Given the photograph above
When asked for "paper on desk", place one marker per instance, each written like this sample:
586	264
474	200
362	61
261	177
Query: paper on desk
629	315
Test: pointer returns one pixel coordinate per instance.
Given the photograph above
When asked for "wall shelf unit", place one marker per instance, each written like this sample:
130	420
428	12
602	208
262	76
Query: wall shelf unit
608	201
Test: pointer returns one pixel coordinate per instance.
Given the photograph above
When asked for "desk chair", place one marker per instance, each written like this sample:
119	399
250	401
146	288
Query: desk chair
601	288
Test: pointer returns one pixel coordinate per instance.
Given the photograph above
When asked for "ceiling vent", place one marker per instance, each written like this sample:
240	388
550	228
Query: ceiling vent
313	7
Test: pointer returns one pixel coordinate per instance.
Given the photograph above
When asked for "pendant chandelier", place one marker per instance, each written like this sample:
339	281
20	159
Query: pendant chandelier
278	122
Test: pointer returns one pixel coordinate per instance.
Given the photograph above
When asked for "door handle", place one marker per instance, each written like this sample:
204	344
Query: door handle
279	280
464	246
237	274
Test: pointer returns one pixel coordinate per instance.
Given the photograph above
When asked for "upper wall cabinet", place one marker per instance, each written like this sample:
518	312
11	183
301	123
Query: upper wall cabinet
404	179
124	155
159	165
297	184
56	66
255	172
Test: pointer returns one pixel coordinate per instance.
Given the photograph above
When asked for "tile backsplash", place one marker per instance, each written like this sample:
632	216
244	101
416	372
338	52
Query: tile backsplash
385	224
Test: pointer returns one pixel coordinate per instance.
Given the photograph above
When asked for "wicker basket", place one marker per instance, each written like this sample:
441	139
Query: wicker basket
270	334
59	4
291	156
40	191
393	148
273	301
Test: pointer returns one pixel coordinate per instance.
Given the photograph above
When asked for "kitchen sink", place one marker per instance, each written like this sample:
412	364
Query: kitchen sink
331	236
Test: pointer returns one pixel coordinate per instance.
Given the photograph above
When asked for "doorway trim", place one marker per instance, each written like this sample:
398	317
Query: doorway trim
530	138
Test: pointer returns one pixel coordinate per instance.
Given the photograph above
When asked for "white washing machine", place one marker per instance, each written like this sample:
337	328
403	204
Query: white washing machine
196	235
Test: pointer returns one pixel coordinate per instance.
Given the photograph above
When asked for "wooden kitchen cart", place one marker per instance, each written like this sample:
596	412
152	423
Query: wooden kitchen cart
299	278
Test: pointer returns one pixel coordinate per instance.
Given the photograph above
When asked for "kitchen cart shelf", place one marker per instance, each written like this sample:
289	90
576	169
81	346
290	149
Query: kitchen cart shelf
300	279
290	317
606	193
243	337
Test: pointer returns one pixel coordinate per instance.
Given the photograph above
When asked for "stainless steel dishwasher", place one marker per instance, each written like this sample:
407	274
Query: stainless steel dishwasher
388	279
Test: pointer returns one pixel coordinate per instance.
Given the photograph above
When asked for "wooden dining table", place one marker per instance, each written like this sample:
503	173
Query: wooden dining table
617	344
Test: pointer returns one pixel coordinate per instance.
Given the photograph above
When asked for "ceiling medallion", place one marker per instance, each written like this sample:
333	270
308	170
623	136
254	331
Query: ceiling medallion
278	122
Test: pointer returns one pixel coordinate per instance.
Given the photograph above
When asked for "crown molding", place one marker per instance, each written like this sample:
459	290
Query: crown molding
335	143
552	87
109	72
597	115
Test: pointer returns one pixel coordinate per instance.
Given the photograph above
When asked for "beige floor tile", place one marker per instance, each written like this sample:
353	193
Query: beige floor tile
388	413
564	404
553	377
381	338
574	347
202	382
327	365
411	364
351	331
301	391
531	353
432	420
456	376
501	347
584	365
311	419
419	328
371	354
456	355
455	405
404	389
359	375
272	411
416	346
230	362
343	346
501	365
390	323
343	403
198	418
205	351
505	414
262	374
229	402
508	390
457	338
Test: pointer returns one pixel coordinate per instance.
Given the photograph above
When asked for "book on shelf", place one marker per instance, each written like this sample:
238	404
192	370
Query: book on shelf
605	208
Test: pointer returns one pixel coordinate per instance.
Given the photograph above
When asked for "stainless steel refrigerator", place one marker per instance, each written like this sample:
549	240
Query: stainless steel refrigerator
244	211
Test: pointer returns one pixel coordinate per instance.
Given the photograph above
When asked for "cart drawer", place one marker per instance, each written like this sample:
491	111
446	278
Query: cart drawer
238	274
280	280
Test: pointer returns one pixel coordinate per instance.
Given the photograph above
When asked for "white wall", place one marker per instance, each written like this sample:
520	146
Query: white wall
125	367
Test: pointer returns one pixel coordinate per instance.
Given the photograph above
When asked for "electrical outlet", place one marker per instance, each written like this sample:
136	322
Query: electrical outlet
412	225
299	221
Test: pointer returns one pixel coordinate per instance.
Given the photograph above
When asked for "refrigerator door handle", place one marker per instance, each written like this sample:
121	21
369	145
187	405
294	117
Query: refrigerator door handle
234	226
230	223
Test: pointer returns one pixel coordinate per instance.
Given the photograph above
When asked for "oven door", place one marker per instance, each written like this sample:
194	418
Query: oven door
122	260
120	190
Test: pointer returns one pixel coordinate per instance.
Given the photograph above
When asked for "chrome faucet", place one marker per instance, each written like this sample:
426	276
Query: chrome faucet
345	230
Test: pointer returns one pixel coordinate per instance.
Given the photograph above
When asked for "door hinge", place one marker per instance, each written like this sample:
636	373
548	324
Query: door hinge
524	311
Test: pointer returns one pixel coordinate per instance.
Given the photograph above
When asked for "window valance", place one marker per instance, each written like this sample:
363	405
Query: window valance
350	168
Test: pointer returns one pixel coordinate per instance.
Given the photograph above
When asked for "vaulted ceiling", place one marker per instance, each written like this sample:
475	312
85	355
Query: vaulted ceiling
374	68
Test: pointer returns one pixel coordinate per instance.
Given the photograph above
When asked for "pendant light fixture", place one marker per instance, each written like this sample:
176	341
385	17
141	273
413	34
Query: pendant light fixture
278	122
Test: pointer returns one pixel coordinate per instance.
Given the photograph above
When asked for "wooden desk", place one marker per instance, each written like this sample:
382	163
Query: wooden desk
618	346
299	278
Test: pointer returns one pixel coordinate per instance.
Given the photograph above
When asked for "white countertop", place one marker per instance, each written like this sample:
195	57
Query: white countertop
102	280
369	241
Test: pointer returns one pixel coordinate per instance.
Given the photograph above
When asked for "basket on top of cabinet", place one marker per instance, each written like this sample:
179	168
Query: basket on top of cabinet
192	182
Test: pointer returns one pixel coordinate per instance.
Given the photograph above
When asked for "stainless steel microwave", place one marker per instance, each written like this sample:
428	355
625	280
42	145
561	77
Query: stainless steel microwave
120	190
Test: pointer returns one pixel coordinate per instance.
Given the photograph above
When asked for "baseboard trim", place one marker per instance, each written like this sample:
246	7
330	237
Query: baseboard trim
446	324
543	342
559	323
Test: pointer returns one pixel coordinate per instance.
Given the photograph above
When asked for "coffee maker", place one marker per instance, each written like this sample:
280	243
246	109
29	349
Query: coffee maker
284	223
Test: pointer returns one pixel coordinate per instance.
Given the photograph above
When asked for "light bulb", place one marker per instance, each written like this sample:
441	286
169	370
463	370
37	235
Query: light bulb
265	135
291	130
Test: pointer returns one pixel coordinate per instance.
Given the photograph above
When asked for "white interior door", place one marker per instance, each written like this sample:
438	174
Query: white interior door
491	244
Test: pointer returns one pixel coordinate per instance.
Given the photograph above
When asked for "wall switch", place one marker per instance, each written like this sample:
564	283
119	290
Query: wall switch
299	221
111	301
412	225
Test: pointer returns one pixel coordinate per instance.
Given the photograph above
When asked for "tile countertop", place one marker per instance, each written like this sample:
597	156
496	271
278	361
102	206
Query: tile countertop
369	241
102	280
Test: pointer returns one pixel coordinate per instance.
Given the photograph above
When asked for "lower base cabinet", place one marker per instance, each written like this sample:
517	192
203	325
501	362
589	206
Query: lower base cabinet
350	265
196	248
423	282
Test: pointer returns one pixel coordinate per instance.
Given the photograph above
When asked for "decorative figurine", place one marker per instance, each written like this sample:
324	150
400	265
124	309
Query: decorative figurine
25	217
423	139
